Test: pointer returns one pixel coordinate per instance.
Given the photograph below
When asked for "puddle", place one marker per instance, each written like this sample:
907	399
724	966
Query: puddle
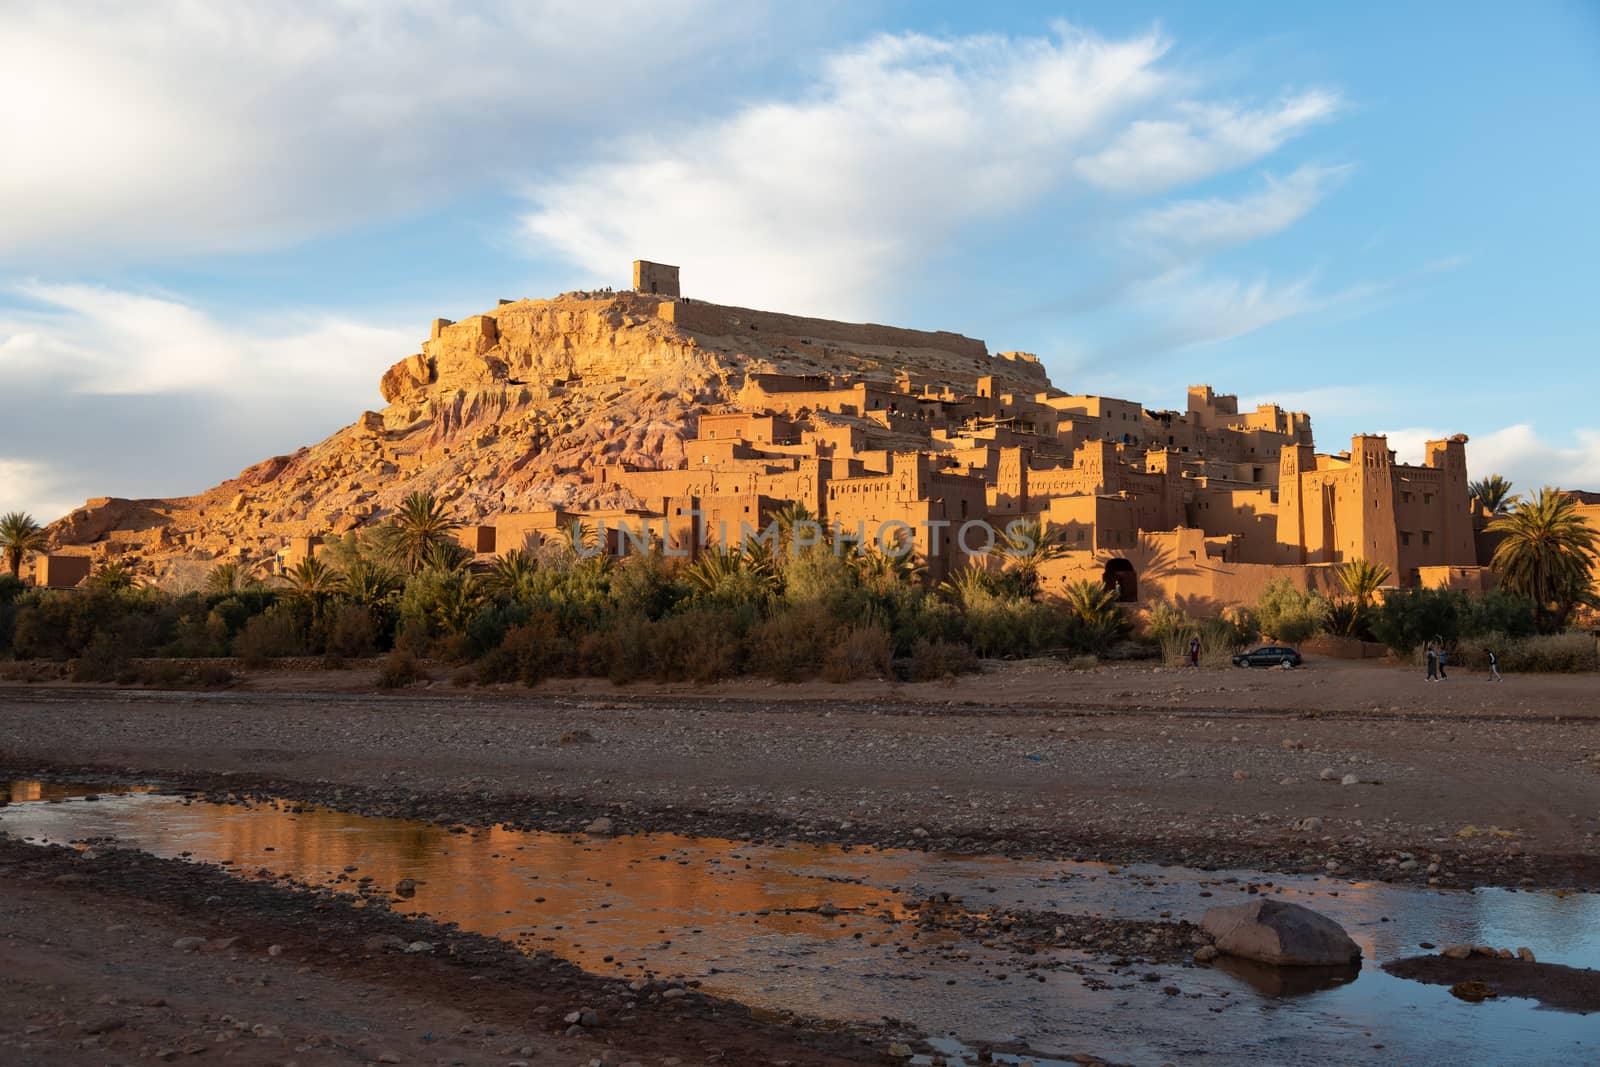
742	918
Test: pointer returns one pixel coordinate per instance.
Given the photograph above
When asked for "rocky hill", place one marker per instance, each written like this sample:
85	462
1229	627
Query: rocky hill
514	410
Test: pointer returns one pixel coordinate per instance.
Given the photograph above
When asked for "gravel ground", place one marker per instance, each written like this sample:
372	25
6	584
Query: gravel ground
1478	784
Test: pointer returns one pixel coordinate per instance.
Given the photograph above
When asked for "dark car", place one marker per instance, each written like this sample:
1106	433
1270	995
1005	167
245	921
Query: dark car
1268	656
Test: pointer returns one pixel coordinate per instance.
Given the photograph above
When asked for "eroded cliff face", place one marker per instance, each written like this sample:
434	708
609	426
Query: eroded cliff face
514	410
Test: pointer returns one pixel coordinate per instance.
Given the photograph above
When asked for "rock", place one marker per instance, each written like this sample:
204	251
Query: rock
189	944
1241	776
405	887
674	994
1456	952
1206	953
899	1050
1471	991
1349	779
1310	824
1277	932
600	827
274	950
419	947
919	833
1328	774
384	943
1525	954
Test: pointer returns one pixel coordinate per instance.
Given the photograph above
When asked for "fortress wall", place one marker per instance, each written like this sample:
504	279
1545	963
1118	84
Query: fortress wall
724	321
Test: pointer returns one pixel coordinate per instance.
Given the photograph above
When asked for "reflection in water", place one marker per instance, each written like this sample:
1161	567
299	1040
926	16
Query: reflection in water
1281	982
24	790
749	921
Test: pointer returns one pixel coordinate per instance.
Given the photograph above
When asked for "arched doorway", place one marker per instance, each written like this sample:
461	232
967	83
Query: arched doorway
1121	577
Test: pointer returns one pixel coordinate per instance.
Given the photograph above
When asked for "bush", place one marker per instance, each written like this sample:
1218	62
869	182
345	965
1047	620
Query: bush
1569	652
400	668
266	638
860	652
701	646
351	632
1288	614
102	661
791	645
933	660
530	653
213	675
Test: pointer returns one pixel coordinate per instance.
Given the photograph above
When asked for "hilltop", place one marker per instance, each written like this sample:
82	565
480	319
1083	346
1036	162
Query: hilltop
515	410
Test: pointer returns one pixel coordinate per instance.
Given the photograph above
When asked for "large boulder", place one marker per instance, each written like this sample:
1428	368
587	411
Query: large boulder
1274	931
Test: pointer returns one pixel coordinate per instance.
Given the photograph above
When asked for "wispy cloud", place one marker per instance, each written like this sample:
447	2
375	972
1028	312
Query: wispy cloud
170	128
1201	139
901	145
1187	229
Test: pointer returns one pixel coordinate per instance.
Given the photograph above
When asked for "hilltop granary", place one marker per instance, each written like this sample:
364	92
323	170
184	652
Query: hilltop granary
680	422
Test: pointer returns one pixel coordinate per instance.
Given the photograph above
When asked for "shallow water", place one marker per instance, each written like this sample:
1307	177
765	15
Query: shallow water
741	918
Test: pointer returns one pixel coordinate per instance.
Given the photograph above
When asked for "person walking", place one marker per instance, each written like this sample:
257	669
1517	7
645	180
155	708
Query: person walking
1494	668
1443	656
1433	663
1194	652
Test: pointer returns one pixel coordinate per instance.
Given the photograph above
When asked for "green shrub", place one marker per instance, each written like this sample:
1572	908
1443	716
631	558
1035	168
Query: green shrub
1288	614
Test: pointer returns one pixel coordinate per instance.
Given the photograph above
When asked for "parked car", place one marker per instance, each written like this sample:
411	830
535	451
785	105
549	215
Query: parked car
1268	656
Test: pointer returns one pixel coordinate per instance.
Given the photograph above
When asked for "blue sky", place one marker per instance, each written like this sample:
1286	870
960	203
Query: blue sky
219	226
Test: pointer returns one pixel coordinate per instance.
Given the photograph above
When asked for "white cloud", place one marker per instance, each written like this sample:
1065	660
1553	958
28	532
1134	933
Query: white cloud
130	394
902	143
1519	453
106	341
171	127
1188	228
1201	139
36	488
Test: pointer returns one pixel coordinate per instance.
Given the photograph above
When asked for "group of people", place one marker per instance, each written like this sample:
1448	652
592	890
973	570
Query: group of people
1438	658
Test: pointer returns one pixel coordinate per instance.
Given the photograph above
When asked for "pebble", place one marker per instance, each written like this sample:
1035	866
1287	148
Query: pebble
600	827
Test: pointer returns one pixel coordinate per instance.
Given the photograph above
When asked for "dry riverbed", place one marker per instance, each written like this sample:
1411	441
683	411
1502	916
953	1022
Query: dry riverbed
1346	770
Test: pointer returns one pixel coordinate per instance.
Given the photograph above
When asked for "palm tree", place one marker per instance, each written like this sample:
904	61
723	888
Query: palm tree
113	577
512	576
1362	578
1092	602
313	581
733	577
1024	546
228	578
370	584
790	520
1094	605
969	585
420	523
1547	553
20	536
882	571
1494	493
